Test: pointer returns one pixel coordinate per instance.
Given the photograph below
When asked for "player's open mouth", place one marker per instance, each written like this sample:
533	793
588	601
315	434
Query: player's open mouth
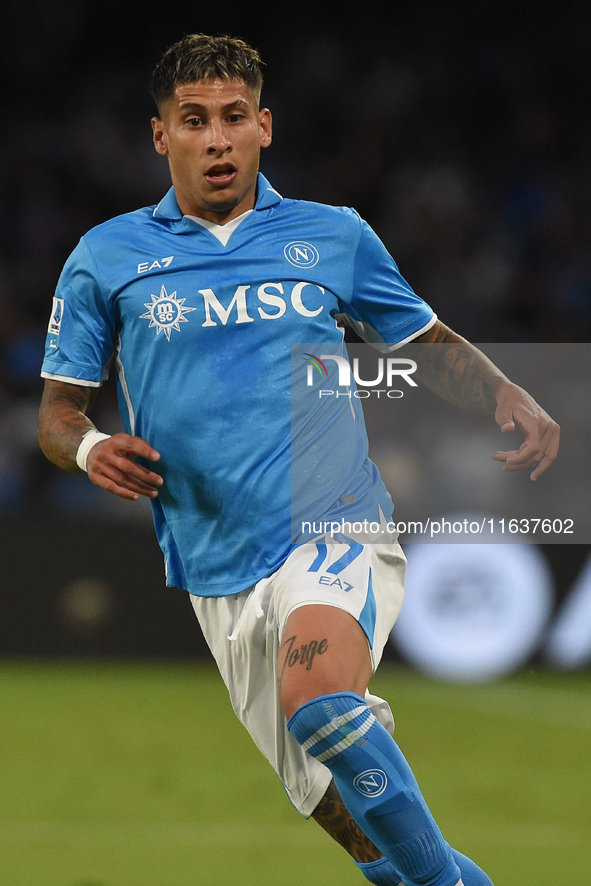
221	175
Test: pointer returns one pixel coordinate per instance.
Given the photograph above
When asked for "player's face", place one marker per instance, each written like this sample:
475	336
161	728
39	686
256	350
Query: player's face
212	134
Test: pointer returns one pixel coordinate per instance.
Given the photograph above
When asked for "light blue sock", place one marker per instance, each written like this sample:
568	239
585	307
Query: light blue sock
472	875
382	873
376	785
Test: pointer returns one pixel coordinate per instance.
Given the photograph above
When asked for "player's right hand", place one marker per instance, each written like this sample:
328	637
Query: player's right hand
111	464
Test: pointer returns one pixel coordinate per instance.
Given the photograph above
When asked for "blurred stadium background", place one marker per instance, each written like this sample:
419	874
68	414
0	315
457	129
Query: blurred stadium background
462	134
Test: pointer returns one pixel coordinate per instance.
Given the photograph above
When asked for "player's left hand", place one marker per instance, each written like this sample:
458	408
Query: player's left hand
516	409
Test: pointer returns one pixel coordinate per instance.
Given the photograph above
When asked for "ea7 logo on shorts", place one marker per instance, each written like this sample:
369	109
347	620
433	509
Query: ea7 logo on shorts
301	254
332	582
371	783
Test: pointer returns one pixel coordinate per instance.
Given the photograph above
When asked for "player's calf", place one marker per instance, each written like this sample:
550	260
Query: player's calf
334	817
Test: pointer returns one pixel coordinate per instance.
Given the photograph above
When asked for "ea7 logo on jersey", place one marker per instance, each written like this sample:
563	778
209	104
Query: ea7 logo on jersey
166	312
146	266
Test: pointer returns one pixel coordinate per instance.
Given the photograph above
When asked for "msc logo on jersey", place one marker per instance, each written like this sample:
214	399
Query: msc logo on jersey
301	254
371	783
166	312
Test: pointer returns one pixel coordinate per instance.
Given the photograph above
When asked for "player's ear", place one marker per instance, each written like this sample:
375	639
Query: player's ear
159	135
265	127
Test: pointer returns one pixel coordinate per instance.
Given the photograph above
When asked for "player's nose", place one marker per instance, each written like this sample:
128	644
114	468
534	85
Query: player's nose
218	142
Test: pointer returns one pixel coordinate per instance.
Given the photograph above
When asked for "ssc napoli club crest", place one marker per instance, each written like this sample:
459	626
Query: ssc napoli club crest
371	783
301	254
166	312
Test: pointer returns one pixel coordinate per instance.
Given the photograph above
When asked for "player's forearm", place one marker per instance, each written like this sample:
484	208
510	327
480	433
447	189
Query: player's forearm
458	371
63	422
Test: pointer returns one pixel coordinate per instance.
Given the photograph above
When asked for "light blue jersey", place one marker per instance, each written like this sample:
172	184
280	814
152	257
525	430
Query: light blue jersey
202	336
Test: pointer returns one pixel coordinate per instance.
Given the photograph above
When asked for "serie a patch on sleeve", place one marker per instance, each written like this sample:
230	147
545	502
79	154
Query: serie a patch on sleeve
55	322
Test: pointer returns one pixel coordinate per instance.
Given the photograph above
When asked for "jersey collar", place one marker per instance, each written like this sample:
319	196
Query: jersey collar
266	197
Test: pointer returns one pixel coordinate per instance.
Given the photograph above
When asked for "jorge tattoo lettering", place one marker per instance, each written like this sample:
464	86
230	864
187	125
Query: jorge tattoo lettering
304	654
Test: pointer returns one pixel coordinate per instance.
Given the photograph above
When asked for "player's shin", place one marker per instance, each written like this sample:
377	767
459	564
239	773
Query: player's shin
377	786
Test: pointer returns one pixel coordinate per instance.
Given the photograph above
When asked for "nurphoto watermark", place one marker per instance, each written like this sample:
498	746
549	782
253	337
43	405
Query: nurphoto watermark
367	428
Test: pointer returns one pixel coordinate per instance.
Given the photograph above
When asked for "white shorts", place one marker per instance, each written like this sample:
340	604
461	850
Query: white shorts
244	632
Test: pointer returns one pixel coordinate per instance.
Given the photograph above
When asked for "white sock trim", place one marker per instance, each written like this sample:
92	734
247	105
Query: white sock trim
333	725
345	743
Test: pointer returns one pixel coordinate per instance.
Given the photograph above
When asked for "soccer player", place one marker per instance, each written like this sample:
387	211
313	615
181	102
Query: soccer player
199	300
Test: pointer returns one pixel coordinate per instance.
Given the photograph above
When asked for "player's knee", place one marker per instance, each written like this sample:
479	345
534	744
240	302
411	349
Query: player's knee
305	676
323	651
289	700
294	693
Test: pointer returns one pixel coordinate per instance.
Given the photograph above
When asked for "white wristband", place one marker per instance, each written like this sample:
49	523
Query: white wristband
88	440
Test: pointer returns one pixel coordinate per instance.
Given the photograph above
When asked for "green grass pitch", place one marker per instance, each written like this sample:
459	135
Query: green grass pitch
138	775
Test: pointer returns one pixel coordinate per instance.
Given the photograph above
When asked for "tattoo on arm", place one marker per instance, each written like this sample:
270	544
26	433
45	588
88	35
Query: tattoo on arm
332	815
458	372
303	654
63	421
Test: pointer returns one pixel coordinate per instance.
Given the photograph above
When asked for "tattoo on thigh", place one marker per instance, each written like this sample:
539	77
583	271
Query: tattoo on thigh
304	654
332	815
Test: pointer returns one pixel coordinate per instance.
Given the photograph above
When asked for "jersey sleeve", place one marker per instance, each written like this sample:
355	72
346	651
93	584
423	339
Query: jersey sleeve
81	330
382	308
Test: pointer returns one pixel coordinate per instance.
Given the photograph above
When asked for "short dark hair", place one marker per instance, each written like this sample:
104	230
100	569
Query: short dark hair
198	57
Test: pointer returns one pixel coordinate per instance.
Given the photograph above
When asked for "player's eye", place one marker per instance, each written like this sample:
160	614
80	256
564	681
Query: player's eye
235	118
194	121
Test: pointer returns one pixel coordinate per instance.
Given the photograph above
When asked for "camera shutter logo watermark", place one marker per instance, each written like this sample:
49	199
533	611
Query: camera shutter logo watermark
166	312
371	783
315	363
301	254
